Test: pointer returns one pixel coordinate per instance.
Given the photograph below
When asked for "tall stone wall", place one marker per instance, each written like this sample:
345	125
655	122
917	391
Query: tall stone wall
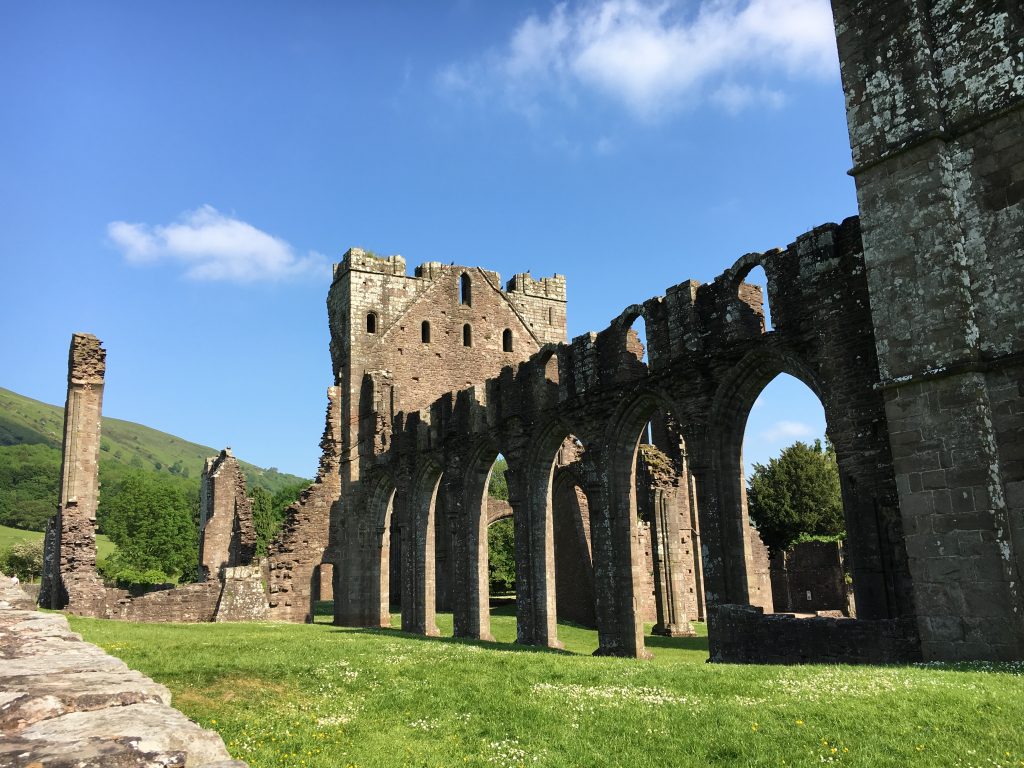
296	553
70	580
710	358
227	535
934	96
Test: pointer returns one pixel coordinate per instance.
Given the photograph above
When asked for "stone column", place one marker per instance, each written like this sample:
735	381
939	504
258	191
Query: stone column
670	586
533	533
74	583
418	562
470	598
614	536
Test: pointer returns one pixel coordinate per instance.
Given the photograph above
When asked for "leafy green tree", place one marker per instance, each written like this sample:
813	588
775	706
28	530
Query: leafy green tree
269	511
23	559
29	484
151	518
284	497
501	562
498	488
796	495
265	519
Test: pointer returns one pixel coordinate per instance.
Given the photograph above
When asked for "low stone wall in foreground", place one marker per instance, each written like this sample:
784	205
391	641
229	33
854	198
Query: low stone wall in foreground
65	702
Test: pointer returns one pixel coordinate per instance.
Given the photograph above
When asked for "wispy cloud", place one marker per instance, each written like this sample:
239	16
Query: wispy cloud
785	430
214	246
655	57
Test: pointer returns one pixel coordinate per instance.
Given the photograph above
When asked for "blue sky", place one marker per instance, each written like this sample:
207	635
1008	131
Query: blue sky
177	178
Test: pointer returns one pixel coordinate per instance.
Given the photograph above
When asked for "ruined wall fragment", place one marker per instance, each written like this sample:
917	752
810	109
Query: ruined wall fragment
227	535
295	554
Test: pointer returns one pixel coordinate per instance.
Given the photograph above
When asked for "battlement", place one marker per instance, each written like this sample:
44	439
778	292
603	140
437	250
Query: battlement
358	260
546	287
432	270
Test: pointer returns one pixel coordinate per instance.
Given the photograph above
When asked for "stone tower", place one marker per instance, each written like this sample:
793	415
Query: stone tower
400	341
935	105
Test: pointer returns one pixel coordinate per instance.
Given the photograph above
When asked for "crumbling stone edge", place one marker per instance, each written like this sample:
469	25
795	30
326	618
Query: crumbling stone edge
65	702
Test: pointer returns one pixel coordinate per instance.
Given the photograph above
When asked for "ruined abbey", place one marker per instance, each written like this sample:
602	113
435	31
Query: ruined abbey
625	475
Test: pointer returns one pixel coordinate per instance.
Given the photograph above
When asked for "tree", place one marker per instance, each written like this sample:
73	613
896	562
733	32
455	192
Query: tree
498	488
151	518
796	495
23	559
501	562
29	485
264	518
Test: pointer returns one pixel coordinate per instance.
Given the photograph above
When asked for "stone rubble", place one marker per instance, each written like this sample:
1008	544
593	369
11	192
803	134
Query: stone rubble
65	703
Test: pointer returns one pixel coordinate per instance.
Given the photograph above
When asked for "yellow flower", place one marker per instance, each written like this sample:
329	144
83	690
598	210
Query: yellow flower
799	722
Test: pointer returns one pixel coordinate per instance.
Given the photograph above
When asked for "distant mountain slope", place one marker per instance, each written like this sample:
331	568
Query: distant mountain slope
27	421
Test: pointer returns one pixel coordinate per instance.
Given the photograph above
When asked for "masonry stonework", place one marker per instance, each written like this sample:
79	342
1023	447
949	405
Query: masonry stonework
296	554
70	580
227	535
625	477
935	105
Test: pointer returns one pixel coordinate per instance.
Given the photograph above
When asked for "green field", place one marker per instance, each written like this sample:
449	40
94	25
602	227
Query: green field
319	695
8	536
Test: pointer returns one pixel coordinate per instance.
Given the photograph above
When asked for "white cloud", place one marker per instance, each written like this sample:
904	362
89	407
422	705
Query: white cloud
734	97
653	57
786	430
214	246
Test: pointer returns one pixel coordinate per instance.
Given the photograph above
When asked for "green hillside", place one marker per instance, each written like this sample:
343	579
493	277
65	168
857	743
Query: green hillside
27	421
9	536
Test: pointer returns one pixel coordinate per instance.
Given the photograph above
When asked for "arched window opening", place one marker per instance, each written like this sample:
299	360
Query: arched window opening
501	556
653	487
371	322
465	290
551	315
425	332
754	291
506	340
572	561
791	492
444	565
467	335
636	343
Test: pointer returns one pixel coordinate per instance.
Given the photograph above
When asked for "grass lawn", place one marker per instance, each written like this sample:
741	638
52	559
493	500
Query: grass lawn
8	536
323	695
319	695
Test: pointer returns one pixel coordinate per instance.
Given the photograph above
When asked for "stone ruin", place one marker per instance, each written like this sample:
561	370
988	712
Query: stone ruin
625	477
230	585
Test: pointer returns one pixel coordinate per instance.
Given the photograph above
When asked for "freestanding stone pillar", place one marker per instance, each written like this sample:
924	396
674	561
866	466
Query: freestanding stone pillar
70	580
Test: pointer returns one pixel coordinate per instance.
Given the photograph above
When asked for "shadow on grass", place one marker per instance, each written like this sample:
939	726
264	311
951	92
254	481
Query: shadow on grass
448	639
504	608
677	643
